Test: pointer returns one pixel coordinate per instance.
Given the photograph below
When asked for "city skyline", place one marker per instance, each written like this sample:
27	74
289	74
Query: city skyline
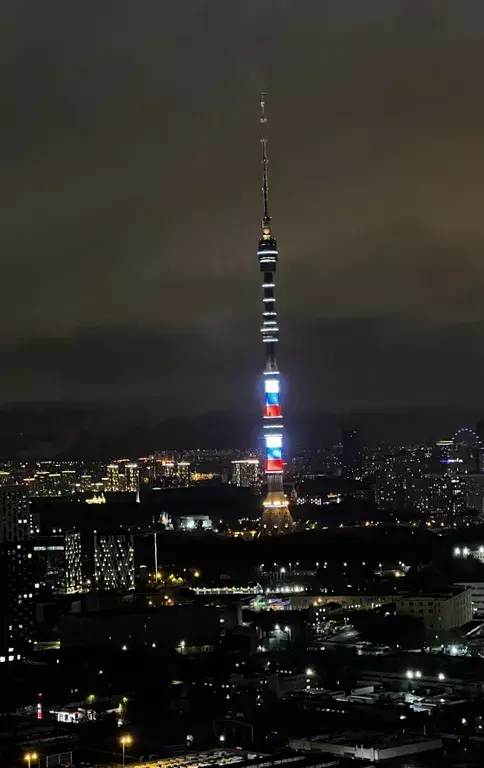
216	552
380	221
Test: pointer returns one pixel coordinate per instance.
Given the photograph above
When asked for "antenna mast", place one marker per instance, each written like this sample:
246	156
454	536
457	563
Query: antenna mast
266	222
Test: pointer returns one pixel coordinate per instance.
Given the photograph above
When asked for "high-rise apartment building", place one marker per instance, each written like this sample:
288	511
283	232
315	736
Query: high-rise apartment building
86	482
440	495
352	459
183	473
73	561
55	484
116	482
58	562
68	482
132	477
113	561
164	471
16	575
246	473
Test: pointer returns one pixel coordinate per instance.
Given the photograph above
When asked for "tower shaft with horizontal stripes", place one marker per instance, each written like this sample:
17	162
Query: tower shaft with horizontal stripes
276	517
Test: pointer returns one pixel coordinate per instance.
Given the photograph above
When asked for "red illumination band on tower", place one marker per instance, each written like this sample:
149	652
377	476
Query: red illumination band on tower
274	465
272	411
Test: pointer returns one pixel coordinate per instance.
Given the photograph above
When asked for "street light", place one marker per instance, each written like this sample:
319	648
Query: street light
309	672
221	738
125	741
29	756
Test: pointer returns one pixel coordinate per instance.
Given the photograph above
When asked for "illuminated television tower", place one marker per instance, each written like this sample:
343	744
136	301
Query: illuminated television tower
276	518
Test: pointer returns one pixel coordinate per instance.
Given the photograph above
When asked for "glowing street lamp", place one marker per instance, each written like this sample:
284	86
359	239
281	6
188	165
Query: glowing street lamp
31	756
125	741
221	738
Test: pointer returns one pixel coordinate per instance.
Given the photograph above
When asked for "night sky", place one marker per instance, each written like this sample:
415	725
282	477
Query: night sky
131	201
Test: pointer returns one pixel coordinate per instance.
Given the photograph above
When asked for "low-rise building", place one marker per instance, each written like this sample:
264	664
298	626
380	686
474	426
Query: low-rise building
438	610
477	596
357	601
367	746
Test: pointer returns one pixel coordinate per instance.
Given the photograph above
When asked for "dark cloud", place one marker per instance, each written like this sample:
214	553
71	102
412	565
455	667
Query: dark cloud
130	200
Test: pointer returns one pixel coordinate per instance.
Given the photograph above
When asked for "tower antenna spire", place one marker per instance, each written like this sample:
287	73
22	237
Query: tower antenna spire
266	222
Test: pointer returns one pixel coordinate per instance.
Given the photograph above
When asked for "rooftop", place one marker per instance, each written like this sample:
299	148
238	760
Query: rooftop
433	594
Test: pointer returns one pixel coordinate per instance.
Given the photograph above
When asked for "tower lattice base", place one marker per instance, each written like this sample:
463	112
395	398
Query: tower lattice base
276	518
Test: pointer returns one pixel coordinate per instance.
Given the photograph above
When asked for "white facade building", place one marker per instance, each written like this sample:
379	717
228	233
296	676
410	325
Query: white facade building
477	596
439	611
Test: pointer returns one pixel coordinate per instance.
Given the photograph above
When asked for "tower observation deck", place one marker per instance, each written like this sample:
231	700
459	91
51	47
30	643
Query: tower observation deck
276	517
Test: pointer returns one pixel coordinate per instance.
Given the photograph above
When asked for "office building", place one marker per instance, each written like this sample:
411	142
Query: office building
438	610
246	473
16	575
276	518
113	561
